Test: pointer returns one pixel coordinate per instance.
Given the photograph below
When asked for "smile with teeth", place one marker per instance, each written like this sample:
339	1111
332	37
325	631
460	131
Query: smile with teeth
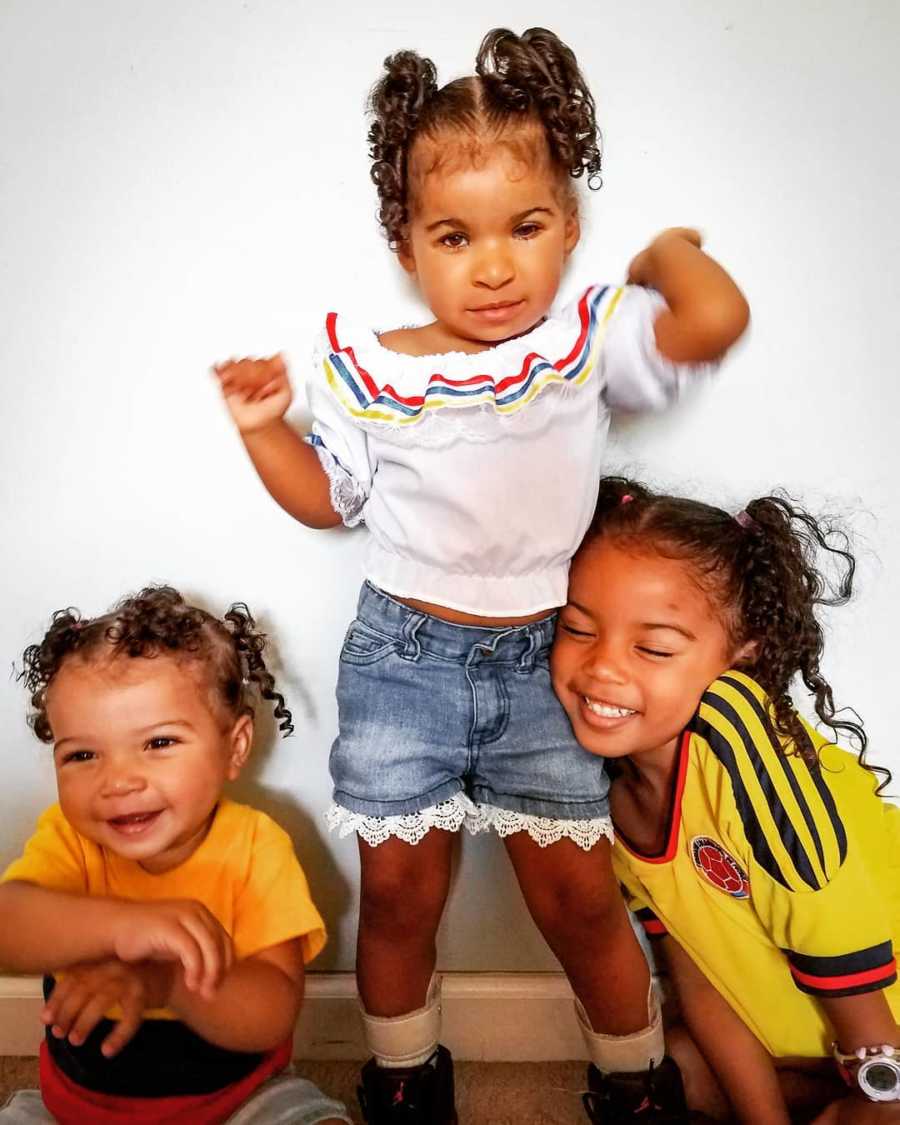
607	710
133	823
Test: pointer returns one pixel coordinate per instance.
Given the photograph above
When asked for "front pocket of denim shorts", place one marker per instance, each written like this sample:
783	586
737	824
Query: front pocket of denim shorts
364	646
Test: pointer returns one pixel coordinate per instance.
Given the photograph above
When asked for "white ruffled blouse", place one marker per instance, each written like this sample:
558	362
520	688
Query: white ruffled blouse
476	475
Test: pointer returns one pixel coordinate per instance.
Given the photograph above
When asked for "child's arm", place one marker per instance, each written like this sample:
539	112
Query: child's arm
742	1066
254	1009
707	312
257	1004
861	1021
257	393
46	930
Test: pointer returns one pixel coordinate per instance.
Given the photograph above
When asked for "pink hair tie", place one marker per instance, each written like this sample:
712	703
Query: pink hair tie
626	499
745	520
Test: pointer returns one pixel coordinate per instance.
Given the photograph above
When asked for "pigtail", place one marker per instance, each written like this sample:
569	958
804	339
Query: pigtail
396	104
67	633
614	495
536	72
782	549
249	645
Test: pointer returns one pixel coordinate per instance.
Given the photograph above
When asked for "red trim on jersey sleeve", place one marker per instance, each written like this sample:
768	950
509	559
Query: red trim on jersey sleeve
72	1104
848	974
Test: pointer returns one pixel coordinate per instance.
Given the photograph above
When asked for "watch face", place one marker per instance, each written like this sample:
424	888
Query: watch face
880	1079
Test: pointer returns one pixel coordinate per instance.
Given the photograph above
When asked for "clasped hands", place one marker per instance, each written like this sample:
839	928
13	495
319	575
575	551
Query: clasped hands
157	948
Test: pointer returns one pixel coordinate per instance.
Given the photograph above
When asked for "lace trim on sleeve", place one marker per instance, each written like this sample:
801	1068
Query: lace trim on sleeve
346	494
460	811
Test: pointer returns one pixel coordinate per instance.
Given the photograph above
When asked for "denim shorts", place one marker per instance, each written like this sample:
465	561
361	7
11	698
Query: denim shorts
429	710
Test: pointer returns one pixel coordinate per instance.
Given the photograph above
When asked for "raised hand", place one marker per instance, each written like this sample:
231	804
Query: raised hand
179	930
642	268
257	392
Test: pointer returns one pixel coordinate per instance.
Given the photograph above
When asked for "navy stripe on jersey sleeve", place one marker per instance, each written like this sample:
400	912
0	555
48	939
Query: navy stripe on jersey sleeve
849	974
730	739
755	837
824	792
653	927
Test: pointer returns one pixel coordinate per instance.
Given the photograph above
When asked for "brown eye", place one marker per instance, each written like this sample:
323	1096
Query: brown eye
454	241
78	756
162	743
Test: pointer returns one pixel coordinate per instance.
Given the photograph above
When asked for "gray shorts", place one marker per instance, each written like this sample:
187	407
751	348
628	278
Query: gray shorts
283	1100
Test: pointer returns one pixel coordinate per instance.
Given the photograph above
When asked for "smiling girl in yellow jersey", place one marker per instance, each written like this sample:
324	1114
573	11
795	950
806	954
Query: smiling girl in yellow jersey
760	854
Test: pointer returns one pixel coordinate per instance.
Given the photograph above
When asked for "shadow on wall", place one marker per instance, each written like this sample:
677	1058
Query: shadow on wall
330	890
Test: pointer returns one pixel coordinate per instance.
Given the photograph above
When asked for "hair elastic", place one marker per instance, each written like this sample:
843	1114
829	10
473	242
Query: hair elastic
626	499
745	520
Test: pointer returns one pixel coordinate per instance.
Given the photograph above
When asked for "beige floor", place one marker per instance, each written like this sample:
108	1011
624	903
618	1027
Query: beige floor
487	1093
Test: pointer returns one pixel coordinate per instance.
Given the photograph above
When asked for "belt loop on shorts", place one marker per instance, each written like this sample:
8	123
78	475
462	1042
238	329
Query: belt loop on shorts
526	660
412	648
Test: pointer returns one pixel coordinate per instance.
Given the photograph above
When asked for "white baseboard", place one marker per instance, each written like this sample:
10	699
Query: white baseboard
492	1017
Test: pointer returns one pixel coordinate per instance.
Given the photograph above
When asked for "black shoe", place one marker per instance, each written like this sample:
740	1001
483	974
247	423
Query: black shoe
648	1097
415	1095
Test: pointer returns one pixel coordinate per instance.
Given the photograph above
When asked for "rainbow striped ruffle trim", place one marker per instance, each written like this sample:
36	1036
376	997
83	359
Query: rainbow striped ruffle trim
362	398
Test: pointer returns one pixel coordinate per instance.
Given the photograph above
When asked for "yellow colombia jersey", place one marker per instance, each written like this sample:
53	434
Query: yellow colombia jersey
781	881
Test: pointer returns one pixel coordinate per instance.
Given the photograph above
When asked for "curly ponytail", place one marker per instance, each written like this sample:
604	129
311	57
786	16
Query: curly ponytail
249	645
530	82
396	105
154	622
765	570
537	72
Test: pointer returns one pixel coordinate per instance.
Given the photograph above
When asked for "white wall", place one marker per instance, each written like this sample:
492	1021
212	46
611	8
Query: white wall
184	180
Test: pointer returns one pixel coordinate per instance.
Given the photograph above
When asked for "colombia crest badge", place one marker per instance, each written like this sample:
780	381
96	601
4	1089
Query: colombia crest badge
719	868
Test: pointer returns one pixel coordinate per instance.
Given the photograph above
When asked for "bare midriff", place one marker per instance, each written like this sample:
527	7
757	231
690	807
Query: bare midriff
458	617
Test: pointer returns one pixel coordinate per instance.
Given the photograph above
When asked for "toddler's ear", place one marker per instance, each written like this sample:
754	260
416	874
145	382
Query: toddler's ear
746	654
406	256
241	737
573	229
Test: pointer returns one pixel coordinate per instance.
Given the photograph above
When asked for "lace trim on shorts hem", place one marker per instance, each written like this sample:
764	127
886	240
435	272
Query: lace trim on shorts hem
461	812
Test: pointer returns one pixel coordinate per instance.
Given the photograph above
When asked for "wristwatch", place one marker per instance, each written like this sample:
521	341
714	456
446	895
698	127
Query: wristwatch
875	1071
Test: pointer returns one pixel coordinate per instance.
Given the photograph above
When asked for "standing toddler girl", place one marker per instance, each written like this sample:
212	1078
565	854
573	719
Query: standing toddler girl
470	447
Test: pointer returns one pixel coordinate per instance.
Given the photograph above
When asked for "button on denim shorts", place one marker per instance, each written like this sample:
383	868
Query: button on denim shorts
428	710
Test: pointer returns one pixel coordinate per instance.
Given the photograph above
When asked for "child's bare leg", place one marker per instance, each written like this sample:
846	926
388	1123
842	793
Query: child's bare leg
404	888
807	1085
701	1088
575	902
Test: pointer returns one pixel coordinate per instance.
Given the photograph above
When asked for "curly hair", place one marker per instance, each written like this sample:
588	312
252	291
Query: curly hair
529	82
763	569
157	621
